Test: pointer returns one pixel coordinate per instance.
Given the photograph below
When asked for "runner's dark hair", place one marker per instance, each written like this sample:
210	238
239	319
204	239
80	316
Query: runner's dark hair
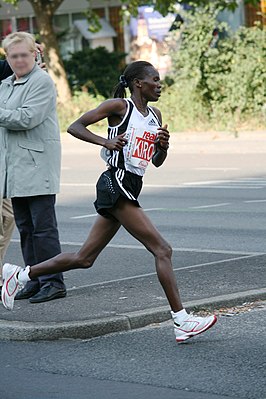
135	70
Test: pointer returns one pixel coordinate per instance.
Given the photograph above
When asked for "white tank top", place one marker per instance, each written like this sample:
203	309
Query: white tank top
141	133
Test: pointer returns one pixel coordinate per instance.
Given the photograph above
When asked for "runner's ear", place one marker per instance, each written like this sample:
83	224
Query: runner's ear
137	82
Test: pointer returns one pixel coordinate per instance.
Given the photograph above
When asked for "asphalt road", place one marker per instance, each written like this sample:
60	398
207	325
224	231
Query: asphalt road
208	201
226	362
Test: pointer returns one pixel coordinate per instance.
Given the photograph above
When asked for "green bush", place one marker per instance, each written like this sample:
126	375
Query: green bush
182	111
81	102
94	70
225	83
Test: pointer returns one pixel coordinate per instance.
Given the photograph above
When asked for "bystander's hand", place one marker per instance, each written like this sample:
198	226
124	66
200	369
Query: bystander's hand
39	60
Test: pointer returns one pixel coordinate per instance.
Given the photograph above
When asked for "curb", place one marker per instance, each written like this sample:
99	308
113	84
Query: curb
22	331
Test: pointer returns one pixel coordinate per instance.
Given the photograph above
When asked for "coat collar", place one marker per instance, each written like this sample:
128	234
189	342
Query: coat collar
22	80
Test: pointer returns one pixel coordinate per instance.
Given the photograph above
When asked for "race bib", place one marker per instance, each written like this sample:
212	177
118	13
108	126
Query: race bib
140	148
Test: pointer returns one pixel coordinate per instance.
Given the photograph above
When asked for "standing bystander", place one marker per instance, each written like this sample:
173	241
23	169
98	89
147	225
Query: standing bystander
6	212
30	161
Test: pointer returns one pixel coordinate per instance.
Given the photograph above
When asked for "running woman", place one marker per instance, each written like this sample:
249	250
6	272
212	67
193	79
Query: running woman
136	137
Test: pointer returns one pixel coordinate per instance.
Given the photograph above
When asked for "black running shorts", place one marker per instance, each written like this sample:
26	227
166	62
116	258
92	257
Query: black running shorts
114	183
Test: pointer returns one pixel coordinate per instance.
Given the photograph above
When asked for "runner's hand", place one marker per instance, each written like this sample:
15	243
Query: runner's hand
117	143
163	138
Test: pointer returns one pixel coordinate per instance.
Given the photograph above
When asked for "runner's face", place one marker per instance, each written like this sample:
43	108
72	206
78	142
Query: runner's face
151	85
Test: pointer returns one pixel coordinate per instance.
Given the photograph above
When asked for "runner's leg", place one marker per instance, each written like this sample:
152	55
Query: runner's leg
100	235
139	226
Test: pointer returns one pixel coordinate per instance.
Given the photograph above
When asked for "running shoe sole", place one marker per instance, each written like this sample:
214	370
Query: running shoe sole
6	296
194	333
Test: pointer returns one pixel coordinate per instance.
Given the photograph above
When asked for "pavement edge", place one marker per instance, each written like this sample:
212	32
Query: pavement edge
86	329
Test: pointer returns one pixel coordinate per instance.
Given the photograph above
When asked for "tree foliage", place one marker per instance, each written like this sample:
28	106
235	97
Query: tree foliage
227	79
165	6
87	71
45	10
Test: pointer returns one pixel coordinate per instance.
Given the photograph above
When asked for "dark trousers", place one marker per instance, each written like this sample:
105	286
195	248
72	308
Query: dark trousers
36	222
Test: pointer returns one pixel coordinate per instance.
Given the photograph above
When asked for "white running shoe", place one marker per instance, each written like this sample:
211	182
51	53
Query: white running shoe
193	325
10	284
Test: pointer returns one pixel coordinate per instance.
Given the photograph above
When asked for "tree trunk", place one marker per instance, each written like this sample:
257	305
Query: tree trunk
44	12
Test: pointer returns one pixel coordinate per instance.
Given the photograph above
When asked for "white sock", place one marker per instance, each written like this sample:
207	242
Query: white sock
179	316
23	275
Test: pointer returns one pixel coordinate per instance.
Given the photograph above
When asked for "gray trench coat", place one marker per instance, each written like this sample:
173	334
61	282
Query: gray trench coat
30	150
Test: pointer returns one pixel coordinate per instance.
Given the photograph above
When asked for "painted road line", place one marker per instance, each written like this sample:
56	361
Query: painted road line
253	178
218	169
175	249
254	201
202	184
78	184
215	262
95	214
211	251
209	206
154	273
153	209
232	187
92	215
260	182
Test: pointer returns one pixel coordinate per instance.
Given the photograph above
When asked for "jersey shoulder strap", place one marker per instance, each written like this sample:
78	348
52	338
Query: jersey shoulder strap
155	115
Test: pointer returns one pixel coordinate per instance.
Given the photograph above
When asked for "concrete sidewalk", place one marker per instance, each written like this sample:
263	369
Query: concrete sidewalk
103	308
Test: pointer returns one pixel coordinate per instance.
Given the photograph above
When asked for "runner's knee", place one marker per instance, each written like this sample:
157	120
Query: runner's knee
164	250
84	262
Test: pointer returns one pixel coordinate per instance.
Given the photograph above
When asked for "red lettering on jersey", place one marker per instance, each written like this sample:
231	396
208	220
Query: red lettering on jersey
149	136
144	149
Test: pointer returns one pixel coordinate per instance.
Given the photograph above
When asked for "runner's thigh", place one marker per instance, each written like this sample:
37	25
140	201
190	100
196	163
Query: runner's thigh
100	235
137	223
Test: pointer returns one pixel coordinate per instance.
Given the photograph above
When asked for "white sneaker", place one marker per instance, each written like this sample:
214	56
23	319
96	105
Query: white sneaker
10	285
192	325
